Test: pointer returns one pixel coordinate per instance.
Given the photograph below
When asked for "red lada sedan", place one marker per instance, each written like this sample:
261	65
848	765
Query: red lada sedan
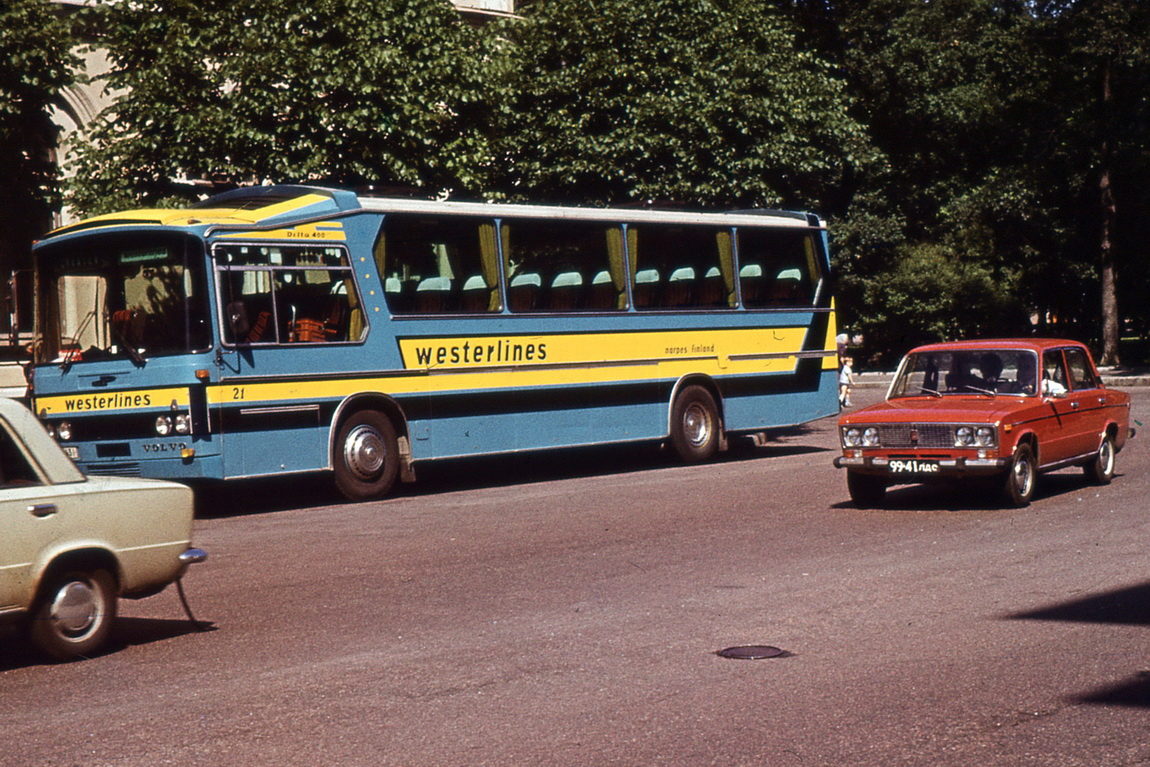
1004	409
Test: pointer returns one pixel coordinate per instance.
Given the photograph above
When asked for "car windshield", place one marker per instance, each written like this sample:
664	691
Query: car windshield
122	295
970	371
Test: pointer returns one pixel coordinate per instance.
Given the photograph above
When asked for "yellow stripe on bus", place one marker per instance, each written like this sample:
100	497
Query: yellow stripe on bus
108	401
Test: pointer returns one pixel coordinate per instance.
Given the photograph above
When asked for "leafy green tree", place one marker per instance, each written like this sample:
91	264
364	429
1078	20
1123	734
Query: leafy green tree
355	92
1102	51
704	103
35	45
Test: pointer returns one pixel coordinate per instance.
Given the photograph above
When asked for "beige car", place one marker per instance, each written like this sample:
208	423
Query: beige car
71	545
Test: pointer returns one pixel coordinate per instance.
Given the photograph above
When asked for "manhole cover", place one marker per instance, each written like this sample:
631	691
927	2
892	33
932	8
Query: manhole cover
752	652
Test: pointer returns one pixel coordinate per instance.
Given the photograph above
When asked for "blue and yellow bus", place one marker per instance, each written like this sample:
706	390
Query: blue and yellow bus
286	329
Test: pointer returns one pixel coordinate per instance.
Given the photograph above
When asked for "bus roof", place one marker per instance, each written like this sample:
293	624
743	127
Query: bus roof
274	205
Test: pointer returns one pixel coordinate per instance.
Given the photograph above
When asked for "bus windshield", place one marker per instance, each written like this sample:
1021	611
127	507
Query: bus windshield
130	296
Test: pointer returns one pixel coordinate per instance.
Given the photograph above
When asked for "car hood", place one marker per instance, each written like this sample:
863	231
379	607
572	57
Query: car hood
949	409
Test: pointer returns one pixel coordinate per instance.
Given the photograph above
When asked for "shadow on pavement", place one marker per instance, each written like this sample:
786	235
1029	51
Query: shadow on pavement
238	497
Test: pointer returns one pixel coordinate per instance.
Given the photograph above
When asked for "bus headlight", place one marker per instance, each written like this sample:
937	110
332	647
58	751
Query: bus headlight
183	424
163	425
64	430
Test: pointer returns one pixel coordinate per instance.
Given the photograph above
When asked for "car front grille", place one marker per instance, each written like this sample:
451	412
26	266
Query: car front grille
917	435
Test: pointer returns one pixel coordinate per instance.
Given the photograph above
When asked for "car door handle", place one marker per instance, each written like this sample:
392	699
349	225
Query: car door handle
1074	405
42	509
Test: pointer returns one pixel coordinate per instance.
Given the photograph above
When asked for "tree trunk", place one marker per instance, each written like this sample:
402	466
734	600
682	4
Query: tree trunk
1110	328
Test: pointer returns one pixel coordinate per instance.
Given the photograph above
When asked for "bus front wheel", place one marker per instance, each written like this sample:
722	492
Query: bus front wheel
695	425
367	456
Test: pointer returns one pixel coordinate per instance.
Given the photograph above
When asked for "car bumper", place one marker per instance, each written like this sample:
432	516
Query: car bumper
946	467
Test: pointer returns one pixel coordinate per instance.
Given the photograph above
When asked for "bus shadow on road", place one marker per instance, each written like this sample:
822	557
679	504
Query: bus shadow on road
241	497
1129	606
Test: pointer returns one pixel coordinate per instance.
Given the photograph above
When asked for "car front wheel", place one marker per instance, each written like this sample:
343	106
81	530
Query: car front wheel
866	490
1020	478
1101	469
74	614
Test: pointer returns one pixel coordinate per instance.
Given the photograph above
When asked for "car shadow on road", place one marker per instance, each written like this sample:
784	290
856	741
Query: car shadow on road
973	495
126	632
241	497
1129	606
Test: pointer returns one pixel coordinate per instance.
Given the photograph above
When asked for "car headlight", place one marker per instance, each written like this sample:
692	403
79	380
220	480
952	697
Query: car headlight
64	430
964	436
870	437
852	437
984	436
163	425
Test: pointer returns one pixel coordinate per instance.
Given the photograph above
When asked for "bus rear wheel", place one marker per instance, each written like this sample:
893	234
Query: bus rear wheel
366	456
695	425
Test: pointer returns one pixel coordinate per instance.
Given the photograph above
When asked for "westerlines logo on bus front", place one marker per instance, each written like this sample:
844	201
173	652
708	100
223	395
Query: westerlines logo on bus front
115	401
480	352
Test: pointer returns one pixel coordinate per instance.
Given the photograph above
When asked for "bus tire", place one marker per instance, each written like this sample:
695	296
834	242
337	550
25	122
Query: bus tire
366	456
695	425
74	614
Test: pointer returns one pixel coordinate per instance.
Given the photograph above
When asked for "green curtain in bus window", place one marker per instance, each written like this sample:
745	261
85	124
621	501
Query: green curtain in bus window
727	264
490	266
615	263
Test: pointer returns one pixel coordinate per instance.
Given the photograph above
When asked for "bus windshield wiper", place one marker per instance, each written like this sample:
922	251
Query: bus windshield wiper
135	355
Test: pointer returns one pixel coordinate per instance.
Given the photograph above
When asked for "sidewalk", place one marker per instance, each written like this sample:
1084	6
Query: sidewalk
1117	377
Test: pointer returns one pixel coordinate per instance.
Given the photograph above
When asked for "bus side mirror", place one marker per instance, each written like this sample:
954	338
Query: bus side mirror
238	319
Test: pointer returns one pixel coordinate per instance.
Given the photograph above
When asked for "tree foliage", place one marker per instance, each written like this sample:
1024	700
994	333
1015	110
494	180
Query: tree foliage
38	66
339	91
707	103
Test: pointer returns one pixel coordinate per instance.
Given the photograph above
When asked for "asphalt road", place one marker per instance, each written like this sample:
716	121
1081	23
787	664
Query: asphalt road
566	610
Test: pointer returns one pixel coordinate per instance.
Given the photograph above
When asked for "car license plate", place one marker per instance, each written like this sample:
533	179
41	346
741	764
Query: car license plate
72	452
913	466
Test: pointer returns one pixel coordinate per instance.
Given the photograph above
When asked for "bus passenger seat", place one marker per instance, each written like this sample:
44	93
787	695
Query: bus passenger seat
646	288
524	291
432	294
565	292
475	295
712	292
601	295
681	287
751	283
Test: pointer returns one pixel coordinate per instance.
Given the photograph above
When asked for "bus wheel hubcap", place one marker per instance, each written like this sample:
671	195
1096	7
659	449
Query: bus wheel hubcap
364	452
696	425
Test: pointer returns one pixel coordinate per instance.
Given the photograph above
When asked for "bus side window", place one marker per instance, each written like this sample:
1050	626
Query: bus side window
669	262
439	264
778	268
546	263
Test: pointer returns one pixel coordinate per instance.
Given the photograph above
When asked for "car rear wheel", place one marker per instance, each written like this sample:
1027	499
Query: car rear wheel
1101	469
1020	478
866	490
74	614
